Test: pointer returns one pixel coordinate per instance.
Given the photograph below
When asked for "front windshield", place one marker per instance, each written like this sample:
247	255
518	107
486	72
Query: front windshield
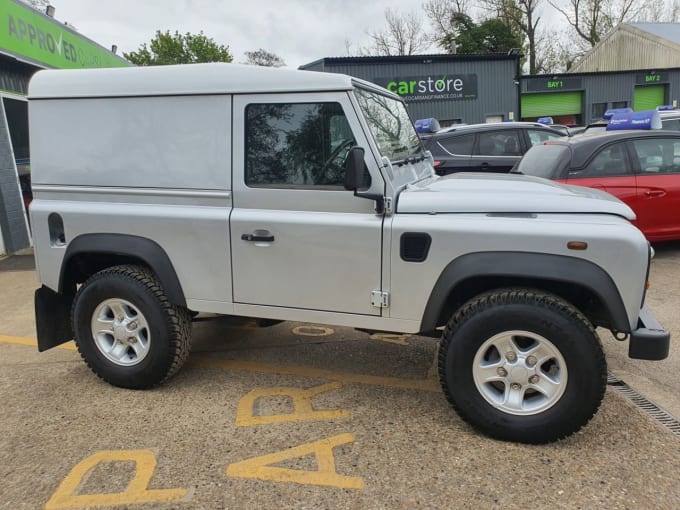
394	133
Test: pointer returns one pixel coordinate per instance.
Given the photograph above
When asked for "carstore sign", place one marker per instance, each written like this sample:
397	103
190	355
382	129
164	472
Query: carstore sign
433	87
31	36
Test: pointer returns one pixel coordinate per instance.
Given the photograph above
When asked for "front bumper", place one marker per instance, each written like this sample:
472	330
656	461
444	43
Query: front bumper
649	341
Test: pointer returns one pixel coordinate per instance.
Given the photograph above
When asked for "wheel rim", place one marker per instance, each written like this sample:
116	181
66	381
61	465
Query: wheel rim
121	332
520	372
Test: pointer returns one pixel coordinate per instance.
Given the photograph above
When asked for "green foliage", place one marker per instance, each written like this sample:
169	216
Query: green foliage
166	48
490	36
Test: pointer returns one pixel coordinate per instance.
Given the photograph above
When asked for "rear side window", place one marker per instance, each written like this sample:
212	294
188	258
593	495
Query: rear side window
544	161
658	155
296	145
499	143
610	161
458	145
537	136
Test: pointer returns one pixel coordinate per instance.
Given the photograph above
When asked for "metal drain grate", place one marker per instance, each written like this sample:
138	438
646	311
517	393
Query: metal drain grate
662	416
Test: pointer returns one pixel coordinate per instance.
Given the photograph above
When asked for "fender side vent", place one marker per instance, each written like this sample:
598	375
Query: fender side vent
415	246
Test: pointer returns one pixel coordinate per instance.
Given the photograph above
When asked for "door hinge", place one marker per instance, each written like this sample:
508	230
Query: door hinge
388	205
380	299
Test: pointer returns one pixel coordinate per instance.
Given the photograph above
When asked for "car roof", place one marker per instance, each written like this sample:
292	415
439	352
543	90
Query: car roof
467	128
187	79
583	146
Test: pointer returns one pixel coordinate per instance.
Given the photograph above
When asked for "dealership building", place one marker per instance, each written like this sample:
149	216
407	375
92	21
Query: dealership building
30	41
636	65
451	88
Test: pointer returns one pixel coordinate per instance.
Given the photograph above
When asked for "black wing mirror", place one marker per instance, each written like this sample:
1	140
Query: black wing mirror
355	167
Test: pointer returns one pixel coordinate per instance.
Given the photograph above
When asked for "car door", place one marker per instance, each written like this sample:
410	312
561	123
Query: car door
298	238
496	150
609	169
657	162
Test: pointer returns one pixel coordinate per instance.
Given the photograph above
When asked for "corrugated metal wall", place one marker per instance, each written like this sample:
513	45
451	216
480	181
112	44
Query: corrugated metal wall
14	76
628	49
497	93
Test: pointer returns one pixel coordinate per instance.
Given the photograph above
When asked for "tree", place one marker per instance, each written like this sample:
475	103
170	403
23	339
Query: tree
166	48
403	35
263	58
590	19
521	16
490	36
442	14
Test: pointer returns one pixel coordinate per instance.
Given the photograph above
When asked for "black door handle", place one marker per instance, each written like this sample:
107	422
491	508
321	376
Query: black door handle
259	236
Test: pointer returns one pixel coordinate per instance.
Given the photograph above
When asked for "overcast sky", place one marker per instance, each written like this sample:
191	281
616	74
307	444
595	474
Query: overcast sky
299	31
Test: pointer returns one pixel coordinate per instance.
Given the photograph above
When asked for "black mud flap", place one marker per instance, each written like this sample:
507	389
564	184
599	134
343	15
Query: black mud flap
52	318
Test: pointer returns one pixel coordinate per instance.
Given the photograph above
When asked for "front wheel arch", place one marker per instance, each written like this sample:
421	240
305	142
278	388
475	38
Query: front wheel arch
582	283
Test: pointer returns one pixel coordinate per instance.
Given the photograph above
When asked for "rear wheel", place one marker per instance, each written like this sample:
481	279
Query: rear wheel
127	331
522	365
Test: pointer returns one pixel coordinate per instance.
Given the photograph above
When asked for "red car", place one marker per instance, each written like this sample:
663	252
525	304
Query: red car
642	168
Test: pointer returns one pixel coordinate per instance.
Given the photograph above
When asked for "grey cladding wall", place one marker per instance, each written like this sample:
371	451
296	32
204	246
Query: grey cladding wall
496	90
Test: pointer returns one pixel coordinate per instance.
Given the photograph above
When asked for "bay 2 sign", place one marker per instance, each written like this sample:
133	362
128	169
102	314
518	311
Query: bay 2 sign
429	88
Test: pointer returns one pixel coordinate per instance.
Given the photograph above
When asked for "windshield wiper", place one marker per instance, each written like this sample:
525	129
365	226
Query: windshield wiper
414	158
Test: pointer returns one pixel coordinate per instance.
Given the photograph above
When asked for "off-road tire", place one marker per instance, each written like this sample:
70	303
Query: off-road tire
169	326
544	314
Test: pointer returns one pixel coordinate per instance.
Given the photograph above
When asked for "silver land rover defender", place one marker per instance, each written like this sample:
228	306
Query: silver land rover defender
218	188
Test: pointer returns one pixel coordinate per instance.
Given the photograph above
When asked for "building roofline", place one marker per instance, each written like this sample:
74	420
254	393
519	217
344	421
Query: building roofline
594	73
401	59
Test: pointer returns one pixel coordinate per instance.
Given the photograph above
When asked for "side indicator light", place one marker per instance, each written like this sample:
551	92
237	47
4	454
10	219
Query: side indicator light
577	245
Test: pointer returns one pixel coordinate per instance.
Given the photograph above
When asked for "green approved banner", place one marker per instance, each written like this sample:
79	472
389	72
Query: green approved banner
28	35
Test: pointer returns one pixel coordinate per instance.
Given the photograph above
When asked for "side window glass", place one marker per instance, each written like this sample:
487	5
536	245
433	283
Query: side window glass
296	145
658	155
537	136
458	145
610	161
500	143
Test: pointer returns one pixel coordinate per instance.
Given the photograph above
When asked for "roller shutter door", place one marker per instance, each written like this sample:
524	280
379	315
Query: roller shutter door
551	104
648	97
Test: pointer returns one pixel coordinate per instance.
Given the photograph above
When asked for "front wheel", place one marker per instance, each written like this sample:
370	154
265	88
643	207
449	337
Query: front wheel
127	331
522	365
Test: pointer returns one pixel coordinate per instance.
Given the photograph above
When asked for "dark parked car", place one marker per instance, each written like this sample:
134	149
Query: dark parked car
642	168
485	147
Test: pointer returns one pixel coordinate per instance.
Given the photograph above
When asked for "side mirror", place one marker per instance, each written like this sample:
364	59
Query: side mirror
355	167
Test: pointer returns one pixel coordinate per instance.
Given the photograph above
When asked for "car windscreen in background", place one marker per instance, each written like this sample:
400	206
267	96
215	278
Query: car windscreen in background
543	161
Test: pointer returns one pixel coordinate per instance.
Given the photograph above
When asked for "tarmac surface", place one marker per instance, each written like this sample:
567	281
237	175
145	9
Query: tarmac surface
309	416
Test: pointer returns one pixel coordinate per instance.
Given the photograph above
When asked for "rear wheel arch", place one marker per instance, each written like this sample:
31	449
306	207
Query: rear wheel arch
88	254
582	283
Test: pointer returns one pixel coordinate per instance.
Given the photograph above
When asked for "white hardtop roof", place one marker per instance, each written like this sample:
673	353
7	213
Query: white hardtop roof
189	79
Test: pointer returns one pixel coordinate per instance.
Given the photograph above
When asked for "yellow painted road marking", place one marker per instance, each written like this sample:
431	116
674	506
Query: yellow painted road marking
391	338
302	403
136	492
266	368
318	373
31	342
312	331
261	469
